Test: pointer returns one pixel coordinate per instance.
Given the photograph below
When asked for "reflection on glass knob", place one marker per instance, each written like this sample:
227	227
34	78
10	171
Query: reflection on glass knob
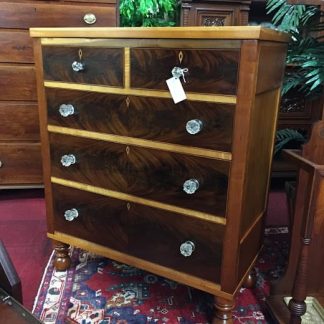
77	66
68	159
71	214
194	126
66	110
1	164
89	18
187	248
190	186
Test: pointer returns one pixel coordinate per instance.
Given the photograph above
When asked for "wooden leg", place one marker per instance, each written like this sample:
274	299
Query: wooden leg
250	280
223	311
62	259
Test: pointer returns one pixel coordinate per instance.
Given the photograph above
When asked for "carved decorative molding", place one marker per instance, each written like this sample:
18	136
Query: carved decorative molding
213	21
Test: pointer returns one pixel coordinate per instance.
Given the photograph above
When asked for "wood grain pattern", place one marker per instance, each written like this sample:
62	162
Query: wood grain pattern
226	99
53	14
202	33
102	66
210	71
147	118
138	200
195	151
151	174
21	163
17	83
141	231
15	47
19	121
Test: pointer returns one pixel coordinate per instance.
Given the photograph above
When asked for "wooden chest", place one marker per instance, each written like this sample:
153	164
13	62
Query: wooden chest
177	189
20	156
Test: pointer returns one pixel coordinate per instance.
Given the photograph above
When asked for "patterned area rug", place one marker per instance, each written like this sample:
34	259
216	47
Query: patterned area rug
98	290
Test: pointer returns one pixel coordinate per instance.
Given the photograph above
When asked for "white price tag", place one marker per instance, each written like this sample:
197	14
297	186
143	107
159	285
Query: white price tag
176	89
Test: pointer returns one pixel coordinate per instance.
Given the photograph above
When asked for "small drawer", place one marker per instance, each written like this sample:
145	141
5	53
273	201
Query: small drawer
178	242
26	15
19	121
20	163
198	124
96	65
15	47
209	71
18	83
180	180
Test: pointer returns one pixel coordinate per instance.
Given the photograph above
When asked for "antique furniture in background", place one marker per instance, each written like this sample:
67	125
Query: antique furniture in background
20	157
304	274
177	189
214	12
11	310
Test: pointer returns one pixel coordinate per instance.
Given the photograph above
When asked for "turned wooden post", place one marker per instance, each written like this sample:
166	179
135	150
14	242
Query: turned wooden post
223	310
62	259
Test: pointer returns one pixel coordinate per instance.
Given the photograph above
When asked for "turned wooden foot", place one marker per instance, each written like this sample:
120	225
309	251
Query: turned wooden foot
250	280
62	259
223	311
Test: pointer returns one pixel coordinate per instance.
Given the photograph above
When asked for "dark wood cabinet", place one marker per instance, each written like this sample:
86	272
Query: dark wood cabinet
177	189
20	156
214	12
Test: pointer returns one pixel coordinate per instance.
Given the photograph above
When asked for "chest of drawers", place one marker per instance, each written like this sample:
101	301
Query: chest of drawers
20	156
177	189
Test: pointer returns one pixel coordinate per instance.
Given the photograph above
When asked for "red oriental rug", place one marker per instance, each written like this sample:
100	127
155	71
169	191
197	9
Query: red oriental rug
98	290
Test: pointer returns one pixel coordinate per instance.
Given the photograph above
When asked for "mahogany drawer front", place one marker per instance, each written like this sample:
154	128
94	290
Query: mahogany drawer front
209	71
15	47
144	232
18	83
20	163
92	111
147	173
98	163
25	15
146	118
19	121
102	65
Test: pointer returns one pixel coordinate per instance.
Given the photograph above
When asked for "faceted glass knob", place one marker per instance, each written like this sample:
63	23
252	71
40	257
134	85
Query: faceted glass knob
77	66
190	186
71	214
68	159
187	248
66	110
194	126
89	18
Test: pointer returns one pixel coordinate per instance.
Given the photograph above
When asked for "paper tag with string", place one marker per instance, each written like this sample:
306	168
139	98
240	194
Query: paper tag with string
175	86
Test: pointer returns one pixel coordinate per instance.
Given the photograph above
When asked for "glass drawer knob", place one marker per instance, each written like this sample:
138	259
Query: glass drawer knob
187	248
194	126
71	214
68	159
1	164
66	110
190	186
77	66
89	18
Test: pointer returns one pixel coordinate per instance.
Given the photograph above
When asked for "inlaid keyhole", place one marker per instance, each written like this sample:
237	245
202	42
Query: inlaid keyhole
128	205
180	56
127	102
127	150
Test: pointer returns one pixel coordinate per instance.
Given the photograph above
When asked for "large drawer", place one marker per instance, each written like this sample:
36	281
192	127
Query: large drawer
15	47
17	83
144	232
147	173
101	65
19	121
190	123
20	163
25	15
209	71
